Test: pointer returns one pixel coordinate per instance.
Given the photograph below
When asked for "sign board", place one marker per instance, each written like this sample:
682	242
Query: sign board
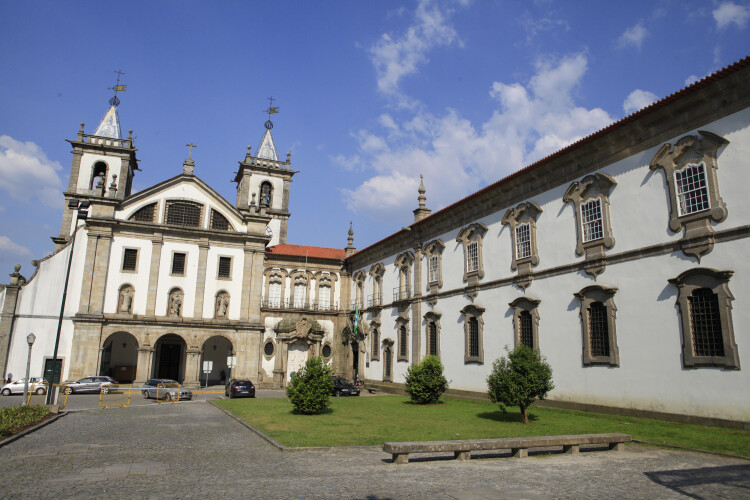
208	366
231	361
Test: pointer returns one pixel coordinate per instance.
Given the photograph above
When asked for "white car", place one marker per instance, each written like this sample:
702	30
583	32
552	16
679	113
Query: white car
36	385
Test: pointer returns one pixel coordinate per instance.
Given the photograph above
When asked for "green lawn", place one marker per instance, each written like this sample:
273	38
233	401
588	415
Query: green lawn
374	420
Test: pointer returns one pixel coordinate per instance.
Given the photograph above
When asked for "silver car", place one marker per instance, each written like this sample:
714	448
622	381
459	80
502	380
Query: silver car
164	388
89	384
36	385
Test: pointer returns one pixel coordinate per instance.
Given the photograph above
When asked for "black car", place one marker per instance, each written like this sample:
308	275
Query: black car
239	389
343	387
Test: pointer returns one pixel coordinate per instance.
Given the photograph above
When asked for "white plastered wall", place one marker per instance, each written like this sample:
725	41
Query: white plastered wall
213	283
186	282
88	161
116	277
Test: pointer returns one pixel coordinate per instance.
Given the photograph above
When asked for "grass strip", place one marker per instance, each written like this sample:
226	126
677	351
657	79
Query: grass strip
16	418
374	420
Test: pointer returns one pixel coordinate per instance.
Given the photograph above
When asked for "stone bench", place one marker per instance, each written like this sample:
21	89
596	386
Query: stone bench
519	446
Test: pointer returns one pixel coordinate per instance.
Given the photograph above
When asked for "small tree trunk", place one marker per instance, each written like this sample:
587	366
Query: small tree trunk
524	415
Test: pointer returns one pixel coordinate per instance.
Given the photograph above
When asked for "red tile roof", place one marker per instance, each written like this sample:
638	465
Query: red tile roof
306	251
718	75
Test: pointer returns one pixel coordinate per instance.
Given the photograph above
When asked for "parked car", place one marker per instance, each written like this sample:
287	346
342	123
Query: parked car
89	384
165	388
239	389
36	385
343	387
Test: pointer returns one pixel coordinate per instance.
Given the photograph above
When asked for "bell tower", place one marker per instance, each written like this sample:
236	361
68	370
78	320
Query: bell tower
101	174
263	183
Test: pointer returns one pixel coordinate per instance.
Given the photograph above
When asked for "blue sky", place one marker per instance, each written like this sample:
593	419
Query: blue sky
371	94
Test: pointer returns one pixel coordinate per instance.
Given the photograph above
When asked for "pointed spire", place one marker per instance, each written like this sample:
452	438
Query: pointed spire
350	241
110	125
267	148
422	211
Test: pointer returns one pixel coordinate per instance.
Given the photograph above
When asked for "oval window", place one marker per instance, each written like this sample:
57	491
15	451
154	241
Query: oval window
268	349
326	351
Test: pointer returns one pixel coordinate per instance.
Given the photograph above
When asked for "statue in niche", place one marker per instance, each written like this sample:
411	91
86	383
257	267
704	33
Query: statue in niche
222	304
265	195
175	303
126	300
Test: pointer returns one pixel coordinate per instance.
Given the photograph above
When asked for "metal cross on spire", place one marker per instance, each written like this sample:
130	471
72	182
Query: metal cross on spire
117	88
190	153
271	111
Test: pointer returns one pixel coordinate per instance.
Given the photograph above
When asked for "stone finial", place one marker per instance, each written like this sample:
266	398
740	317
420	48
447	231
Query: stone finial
16	278
80	132
113	187
350	241
421	212
188	166
100	185
248	155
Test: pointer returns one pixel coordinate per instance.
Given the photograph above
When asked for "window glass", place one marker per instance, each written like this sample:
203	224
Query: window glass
591	220
433	339
705	322
225	267
274	294
184	213
300	291
218	221
691	189
472	256
178	263
324	297
268	348
145	214
599	331
526	332
523	241
433	269
129	259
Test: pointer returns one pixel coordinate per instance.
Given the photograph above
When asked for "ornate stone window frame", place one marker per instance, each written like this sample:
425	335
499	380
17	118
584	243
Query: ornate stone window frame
476	312
432	317
402	329
605	295
699	149
275	275
322	279
525	213
358	280
530	305
718	281
474	232
592	187
388	360
269	357
434	249
137	254
218	267
404	264
377	272
296	277
375	332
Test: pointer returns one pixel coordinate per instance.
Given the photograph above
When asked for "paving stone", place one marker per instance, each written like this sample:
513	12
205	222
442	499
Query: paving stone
196	451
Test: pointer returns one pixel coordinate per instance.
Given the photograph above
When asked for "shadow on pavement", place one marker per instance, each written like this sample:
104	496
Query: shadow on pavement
682	481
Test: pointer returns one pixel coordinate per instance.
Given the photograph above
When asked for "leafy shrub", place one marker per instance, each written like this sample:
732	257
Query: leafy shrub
310	387
425	382
519	380
14	418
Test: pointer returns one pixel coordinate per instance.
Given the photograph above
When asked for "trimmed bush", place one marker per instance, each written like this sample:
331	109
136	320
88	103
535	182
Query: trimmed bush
425	382
310	387
519	380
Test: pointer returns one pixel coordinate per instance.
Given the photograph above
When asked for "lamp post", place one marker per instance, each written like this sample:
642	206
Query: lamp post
30	338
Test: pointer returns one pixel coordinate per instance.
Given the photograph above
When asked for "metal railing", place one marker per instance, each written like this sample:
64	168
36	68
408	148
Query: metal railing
299	305
375	300
357	304
401	293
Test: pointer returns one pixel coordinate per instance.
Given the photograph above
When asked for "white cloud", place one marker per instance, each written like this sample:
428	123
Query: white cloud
691	79
397	56
9	248
729	13
529	122
638	99
633	36
534	27
26	173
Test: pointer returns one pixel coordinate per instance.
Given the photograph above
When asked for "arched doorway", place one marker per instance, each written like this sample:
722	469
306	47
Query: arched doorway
169	357
216	349
119	357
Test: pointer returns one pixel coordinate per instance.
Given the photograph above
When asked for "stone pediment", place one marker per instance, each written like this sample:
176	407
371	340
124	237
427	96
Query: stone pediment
299	328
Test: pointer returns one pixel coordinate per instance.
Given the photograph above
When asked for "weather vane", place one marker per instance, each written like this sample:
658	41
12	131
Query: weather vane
117	88
271	110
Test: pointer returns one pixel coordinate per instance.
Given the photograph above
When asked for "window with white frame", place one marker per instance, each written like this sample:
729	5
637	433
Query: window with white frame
523	241
324	297
472	256
433	270
300	294
274	294
591	220
692	190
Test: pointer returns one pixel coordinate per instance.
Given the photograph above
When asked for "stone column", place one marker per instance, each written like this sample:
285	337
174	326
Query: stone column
143	368
88	273
157	242
192	367
416	308
256	287
7	317
247	275
99	281
200	286
279	362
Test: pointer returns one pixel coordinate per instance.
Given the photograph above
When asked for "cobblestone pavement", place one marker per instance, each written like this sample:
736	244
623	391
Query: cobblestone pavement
193	450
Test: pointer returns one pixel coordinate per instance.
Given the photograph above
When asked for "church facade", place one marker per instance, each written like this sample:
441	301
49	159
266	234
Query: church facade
620	258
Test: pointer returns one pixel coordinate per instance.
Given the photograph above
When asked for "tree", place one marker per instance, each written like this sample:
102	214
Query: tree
520	379
425	382
310	387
